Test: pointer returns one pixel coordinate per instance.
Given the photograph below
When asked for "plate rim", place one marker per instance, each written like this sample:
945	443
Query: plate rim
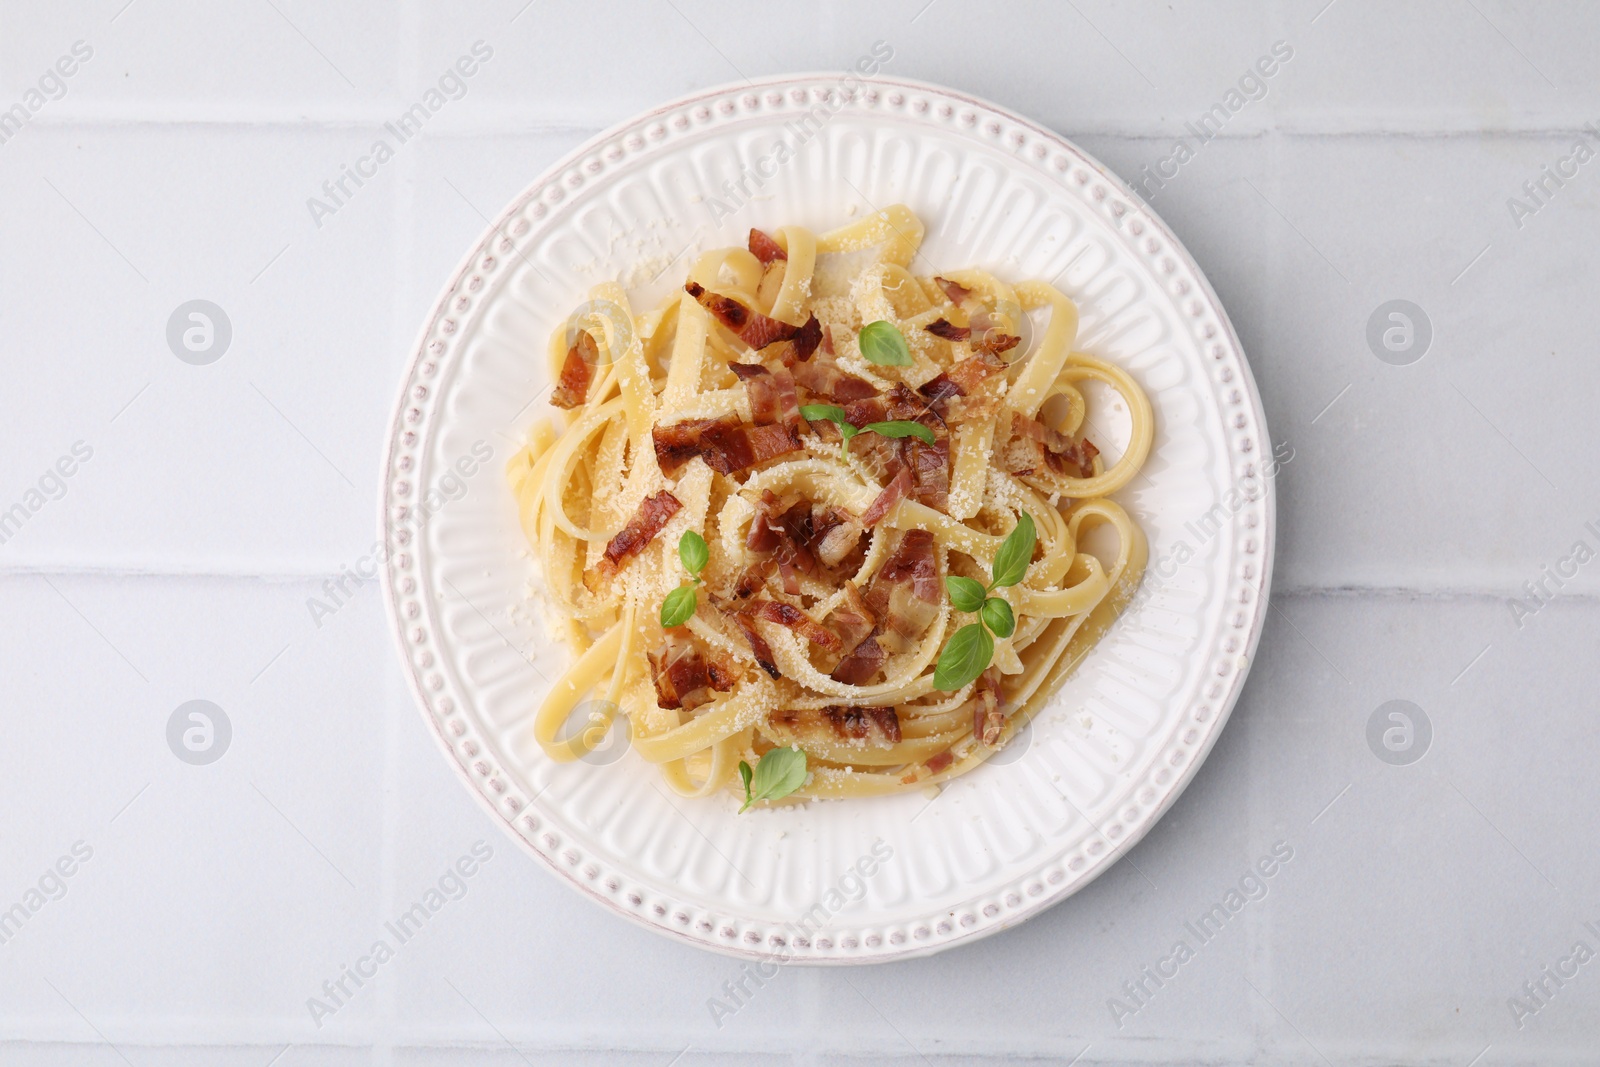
828	81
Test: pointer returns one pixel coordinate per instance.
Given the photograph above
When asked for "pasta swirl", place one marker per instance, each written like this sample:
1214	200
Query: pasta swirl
853	442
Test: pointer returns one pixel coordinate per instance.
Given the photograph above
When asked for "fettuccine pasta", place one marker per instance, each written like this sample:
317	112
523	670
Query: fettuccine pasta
844	436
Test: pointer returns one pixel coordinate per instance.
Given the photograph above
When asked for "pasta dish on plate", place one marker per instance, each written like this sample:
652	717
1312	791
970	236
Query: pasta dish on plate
820	526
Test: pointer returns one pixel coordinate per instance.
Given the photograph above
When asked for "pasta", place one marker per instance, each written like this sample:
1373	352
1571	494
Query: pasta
777	508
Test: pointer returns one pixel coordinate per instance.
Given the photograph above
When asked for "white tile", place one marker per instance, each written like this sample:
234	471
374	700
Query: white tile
157	53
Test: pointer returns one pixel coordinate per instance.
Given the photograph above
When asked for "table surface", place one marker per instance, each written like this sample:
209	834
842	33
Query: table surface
1434	536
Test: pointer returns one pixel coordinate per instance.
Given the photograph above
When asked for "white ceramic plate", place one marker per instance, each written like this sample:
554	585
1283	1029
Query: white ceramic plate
1115	746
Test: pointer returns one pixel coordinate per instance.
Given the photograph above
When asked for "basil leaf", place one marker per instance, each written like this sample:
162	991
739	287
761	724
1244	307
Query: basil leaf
780	772
997	616
831	413
902	428
1016	552
822	413
883	343
679	606
694	552
744	776
965	656
965	594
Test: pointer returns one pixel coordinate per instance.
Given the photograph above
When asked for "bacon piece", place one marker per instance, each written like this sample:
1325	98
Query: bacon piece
577	372
938	388
762	390
965	377
773	398
784	528
752	327
971	373
851	619
723	674
682	675
726	443
885	501
979	321
944	328
807	340
994	342
751	579
788	400
1031	444
765	442
904	594
930	471
862	664
940	762
758	645
957	292
654	511
765	248
875	726
900	403
987	719
912	560
835	534
767	527
791	617
864	723
903	599
824	377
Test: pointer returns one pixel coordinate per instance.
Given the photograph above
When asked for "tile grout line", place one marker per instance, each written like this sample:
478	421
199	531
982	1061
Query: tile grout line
512	118
395	695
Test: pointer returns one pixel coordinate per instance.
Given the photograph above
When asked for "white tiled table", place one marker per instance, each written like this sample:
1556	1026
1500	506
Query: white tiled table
177	563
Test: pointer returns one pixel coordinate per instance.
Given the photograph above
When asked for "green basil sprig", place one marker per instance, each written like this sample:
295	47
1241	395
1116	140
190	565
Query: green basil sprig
969	650
835	414
777	774
680	604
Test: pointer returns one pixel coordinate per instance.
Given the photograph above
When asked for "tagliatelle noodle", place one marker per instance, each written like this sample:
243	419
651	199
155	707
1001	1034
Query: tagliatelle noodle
578	484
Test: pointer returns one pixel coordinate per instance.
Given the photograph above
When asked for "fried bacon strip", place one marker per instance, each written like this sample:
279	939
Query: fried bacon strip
944	328
654	511
806	341
726	443
903	599
988	721
683	676
577	372
958	293
877	726
979	321
963	378
752	327
758	644
862	664
885	501
930	471
905	593
834	534
752	579
994	342
851	620
898	403
824	377
1031	444
772	394
765	248
791	617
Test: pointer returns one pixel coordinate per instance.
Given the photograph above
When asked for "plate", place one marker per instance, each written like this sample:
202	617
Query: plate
866	880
